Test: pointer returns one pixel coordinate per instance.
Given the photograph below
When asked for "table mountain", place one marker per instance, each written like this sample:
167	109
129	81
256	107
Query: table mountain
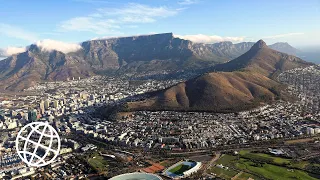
137	55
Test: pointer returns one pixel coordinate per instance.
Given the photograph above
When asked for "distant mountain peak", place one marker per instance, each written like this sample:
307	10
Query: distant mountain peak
284	47
259	45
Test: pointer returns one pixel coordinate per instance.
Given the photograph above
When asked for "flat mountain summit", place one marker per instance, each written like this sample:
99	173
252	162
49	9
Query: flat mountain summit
131	56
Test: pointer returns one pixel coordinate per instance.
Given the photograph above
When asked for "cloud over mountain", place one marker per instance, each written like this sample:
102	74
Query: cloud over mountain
11	51
201	38
50	45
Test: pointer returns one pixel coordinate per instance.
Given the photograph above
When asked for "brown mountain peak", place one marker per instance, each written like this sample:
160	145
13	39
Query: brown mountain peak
259	45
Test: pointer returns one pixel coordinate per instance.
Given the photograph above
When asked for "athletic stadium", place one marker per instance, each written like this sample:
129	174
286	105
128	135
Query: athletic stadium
182	169
136	176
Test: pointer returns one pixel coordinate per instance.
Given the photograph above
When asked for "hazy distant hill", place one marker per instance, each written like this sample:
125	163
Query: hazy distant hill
285	48
248	83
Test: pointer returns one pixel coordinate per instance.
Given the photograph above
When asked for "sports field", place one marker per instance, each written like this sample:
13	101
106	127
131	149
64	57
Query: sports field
180	169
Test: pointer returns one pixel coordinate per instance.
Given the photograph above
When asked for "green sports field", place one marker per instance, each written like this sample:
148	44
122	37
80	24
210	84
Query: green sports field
180	169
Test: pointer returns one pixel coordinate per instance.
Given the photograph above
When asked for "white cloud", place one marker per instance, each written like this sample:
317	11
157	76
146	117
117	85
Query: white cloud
201	38
44	45
50	45
140	11
16	32
9	51
90	24
111	20
282	35
124	36
188	2
93	1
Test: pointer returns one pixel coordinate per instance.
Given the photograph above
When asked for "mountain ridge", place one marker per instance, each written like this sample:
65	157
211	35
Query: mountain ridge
248	82
136	55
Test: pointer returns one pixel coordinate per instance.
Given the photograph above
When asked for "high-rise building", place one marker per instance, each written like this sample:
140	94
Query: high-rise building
310	131
32	115
26	116
46	104
13	113
55	103
42	107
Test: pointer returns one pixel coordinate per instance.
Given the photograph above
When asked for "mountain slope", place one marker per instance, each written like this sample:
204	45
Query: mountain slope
128	55
25	69
136	56
264	60
218	92
248	84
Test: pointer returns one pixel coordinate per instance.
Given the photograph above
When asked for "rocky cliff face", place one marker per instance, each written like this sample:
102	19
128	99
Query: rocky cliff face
136	55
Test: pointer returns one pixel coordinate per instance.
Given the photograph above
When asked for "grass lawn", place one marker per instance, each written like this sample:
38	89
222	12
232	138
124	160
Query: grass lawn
258	165
98	163
180	169
277	160
300	165
272	171
226	160
245	176
264	157
223	173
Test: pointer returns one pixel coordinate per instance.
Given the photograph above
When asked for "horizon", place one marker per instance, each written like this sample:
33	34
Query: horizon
24	23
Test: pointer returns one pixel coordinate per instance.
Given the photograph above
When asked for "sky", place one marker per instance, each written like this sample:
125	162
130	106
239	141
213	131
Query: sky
64	23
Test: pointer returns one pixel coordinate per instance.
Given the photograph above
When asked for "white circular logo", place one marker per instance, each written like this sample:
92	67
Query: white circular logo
38	144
